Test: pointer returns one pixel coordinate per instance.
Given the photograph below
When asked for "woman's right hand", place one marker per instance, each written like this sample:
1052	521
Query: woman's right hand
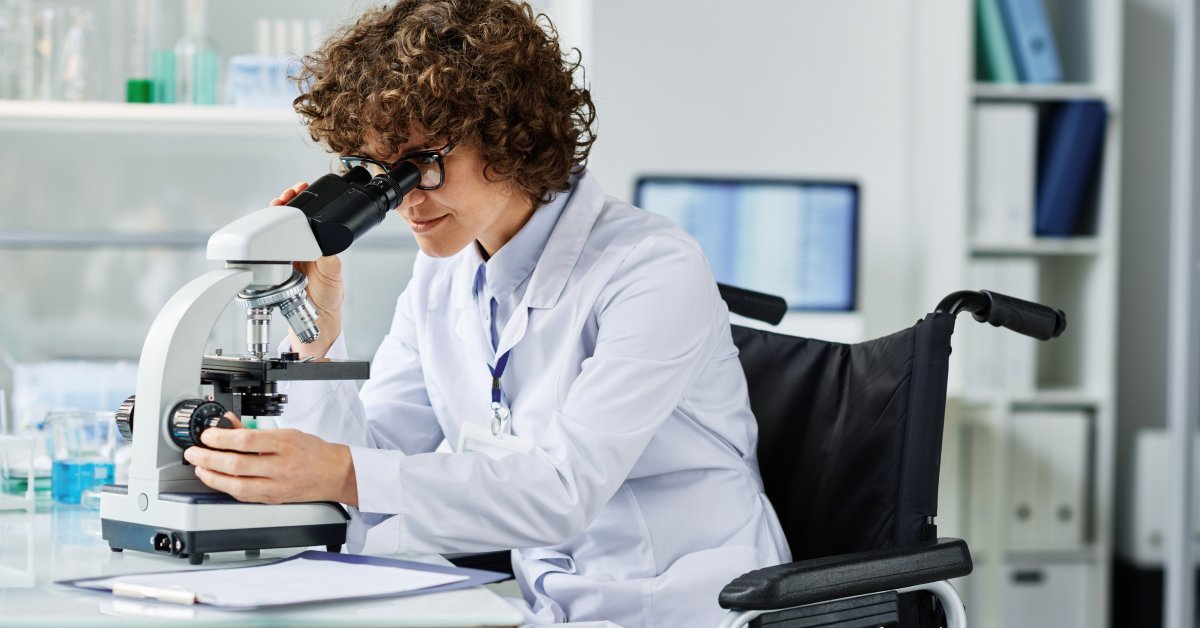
324	290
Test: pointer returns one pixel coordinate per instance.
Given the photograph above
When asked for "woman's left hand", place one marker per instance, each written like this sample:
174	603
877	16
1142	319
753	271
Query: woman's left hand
274	466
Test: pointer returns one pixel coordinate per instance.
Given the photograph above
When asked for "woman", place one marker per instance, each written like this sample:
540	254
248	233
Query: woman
571	350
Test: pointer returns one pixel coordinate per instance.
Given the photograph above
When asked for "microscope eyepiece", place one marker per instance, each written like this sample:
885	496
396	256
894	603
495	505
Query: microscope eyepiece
342	208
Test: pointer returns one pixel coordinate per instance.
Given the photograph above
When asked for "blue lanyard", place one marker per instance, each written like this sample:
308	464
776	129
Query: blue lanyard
499	412
497	371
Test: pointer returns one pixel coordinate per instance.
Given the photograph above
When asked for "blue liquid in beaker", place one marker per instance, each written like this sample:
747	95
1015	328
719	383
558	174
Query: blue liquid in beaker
71	477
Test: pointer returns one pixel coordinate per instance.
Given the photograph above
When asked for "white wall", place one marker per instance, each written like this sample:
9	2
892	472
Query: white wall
810	88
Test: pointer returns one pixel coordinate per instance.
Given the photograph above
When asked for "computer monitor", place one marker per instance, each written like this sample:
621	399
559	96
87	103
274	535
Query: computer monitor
794	238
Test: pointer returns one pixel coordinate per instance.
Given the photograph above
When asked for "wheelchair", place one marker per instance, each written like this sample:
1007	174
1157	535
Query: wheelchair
849	448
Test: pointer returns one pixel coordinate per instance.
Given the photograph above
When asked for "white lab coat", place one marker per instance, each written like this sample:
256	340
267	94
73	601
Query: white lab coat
641	498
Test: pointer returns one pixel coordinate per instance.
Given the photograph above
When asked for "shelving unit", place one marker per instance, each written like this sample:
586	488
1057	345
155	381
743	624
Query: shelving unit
1074	375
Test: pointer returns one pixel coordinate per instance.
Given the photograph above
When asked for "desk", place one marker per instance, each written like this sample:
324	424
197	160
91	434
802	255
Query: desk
63	542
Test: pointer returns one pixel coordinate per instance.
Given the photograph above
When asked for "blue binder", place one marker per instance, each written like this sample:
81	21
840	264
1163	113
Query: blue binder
1073	143
1031	41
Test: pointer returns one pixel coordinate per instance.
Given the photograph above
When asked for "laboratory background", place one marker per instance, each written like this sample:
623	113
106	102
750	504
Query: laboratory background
860	158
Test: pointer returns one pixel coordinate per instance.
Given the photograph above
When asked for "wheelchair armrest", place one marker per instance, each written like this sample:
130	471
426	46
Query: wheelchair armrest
847	575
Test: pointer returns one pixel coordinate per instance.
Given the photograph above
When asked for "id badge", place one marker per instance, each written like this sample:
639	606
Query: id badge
478	438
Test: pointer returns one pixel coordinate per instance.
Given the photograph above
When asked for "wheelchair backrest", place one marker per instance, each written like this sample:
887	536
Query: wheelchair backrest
850	436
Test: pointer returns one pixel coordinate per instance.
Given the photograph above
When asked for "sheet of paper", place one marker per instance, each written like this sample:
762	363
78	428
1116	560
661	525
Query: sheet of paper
288	582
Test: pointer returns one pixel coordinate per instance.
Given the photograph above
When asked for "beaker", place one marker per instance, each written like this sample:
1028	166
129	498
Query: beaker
84	443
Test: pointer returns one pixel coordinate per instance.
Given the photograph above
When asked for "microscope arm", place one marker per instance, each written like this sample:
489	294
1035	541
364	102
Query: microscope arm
167	374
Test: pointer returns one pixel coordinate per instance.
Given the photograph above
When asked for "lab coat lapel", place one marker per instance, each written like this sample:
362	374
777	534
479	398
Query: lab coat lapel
566	243
558	260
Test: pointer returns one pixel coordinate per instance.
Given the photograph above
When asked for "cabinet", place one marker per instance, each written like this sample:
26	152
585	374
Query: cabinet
1031	449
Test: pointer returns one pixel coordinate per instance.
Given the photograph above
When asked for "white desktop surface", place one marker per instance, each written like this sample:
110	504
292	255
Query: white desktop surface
63	543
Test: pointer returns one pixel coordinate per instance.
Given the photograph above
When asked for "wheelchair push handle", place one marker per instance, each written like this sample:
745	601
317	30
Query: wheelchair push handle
762	307
1024	317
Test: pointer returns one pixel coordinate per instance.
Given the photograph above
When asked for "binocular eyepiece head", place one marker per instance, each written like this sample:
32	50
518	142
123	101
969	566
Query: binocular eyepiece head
342	208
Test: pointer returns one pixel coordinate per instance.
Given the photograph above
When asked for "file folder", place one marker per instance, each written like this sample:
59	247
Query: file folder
1032	41
993	51
1070	166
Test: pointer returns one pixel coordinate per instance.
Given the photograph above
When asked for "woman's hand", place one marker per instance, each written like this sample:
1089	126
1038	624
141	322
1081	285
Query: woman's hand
274	466
324	290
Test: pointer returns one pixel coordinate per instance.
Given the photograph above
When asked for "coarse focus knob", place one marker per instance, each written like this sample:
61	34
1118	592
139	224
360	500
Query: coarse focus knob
125	418
190	418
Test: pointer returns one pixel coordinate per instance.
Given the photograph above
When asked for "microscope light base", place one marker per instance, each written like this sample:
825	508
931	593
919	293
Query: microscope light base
190	525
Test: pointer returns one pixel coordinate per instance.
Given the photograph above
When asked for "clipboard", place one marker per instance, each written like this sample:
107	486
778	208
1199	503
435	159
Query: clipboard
321	577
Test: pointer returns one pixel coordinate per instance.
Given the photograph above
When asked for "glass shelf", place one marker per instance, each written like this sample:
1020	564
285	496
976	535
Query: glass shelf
124	118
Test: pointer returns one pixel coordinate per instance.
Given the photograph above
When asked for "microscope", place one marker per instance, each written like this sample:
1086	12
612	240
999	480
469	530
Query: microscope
164	508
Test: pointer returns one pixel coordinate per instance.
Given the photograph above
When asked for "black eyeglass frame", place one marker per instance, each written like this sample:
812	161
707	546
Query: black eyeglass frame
437	154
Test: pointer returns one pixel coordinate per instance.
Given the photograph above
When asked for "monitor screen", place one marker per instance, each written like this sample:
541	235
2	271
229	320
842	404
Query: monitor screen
796	239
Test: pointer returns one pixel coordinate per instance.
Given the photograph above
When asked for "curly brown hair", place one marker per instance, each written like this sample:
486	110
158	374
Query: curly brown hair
488	73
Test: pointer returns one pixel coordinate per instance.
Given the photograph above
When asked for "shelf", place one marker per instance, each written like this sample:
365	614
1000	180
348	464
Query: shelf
1044	397
1081	555
112	117
1037	92
19	238
1080	246
45	239
1058	397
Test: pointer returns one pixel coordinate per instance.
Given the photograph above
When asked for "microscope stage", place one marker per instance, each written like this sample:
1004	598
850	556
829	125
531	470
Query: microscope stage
225	369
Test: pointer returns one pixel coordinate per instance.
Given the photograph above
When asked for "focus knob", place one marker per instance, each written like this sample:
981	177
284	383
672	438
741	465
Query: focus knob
125	419
190	418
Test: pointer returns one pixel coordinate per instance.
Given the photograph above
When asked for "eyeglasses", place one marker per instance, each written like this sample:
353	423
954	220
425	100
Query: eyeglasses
430	163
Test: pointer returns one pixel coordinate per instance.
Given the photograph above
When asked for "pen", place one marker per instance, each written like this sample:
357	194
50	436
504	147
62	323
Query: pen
162	594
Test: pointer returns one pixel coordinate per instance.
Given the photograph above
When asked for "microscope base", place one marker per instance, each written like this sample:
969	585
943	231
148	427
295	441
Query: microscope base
190	525
194	546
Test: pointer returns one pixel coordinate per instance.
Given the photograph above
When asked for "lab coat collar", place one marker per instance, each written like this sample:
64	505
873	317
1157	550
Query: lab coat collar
513	264
554	267
566	242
